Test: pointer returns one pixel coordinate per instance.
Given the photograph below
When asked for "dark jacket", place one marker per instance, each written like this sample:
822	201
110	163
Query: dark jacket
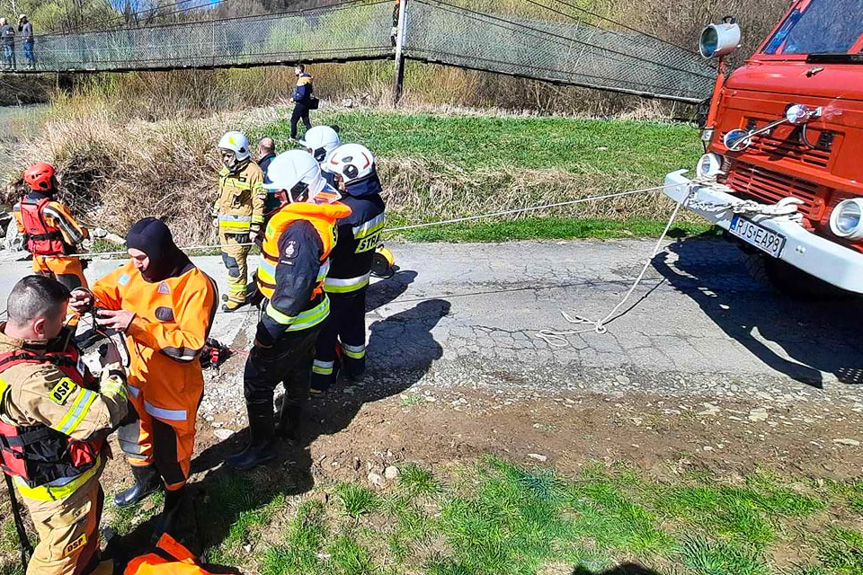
296	277
359	235
264	164
7	35
303	91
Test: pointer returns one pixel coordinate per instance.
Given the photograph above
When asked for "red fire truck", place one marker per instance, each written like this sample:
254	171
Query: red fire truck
783	166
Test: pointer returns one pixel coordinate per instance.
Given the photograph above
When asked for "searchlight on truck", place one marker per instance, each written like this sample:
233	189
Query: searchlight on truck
782	172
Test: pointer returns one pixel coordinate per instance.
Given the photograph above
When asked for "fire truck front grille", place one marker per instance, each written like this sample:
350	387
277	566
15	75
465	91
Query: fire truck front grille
791	150
768	187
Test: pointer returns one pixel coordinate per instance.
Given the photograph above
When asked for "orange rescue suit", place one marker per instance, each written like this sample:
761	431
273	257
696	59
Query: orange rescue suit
172	321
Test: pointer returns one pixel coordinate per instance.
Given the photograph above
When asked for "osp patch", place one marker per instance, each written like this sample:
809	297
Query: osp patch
291	250
61	392
75	545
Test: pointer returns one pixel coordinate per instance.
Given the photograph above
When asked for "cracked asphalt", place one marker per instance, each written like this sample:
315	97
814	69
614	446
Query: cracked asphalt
467	315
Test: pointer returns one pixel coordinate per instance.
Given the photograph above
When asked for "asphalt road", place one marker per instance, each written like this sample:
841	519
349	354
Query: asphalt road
469	314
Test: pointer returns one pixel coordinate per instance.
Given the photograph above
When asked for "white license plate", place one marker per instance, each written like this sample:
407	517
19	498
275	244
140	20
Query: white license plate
758	236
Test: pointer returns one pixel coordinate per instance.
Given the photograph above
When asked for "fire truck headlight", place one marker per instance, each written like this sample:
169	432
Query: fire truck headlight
846	221
709	165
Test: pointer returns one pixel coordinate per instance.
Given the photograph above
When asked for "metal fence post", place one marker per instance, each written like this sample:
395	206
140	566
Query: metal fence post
400	52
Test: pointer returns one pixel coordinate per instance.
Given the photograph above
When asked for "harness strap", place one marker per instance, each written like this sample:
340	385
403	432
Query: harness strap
48	236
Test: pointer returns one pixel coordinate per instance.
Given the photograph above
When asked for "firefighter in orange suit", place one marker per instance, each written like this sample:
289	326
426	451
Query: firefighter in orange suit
54	418
295	252
165	307
52	233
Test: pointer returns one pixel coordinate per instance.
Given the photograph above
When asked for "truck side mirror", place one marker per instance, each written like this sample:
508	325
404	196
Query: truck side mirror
718	40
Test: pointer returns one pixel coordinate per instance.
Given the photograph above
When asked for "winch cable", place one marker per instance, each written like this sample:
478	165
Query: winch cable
559	338
514	211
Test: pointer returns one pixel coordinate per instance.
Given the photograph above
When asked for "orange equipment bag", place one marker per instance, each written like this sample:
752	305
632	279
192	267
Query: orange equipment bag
168	558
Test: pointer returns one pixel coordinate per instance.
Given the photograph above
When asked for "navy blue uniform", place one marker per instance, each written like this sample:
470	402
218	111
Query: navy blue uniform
286	356
347	283
302	103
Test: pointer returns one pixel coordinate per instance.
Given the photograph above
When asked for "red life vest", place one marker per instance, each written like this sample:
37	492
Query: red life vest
39	454
42	240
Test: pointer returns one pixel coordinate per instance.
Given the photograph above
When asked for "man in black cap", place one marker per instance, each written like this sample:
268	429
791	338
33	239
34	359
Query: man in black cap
165	307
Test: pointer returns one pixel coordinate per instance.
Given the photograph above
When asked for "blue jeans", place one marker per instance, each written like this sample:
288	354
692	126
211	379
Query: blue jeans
28	52
9	55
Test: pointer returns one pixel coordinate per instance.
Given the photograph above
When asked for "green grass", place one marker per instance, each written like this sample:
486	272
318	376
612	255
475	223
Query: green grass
552	228
439	167
651	149
357	499
415	480
498	518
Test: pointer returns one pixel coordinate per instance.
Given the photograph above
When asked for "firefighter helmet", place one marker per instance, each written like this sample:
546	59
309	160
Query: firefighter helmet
352	162
297	173
320	141
40	177
236	144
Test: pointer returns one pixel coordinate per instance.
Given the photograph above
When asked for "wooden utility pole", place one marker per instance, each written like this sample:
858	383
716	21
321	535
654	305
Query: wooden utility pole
400	52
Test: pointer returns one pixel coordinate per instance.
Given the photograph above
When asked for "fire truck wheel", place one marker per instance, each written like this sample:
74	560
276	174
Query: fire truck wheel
790	281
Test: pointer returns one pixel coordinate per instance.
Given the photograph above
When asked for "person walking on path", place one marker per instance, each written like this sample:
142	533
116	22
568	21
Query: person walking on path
26	30
303	100
7	38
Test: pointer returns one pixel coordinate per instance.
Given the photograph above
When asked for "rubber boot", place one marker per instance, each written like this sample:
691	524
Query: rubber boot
260	448
167	521
147	481
290	418
232	305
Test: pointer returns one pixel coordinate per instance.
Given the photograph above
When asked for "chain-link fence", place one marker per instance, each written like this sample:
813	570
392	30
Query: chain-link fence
574	53
569	53
349	32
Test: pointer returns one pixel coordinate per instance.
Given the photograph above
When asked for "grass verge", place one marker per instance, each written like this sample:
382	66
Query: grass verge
550	229
498	518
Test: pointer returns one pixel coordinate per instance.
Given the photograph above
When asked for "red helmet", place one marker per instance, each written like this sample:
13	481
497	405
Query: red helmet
40	177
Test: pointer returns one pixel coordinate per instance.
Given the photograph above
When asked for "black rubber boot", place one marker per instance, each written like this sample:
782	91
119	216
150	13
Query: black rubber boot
290	418
168	520
260	448
147	481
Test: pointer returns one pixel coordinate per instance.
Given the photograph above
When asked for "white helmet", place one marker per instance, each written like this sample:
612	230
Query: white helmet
296	172
238	143
352	162
320	141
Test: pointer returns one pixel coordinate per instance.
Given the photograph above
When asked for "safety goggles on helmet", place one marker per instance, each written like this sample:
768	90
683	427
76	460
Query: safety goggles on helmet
320	154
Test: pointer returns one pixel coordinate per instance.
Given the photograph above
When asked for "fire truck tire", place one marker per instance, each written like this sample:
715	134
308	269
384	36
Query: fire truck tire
790	281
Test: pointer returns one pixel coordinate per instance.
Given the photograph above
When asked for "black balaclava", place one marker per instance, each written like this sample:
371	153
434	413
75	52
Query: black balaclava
153	237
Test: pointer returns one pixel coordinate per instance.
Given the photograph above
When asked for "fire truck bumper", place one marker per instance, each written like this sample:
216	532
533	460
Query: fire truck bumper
817	256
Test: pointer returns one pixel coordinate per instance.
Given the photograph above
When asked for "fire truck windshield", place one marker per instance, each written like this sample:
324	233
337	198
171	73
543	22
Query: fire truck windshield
819	27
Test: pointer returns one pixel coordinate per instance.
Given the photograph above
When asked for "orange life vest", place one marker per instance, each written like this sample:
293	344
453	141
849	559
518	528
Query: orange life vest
322	216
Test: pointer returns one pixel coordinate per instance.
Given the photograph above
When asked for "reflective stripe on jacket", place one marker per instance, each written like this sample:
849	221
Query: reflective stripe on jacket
240	207
296	311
